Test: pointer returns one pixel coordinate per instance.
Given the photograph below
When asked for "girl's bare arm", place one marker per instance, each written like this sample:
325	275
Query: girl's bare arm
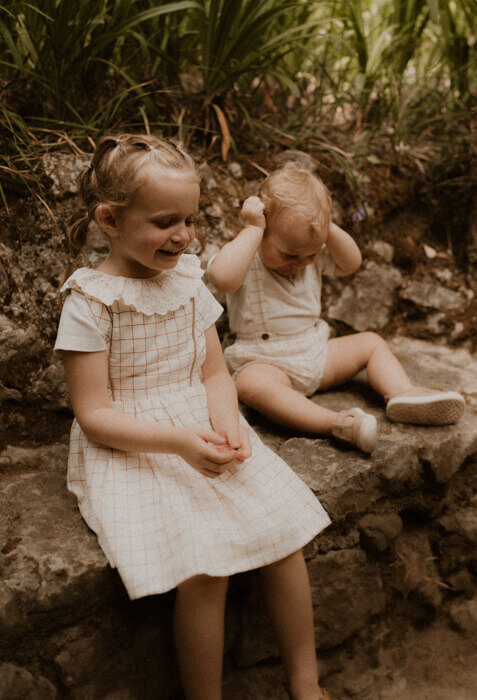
222	396
343	250
230	265
86	373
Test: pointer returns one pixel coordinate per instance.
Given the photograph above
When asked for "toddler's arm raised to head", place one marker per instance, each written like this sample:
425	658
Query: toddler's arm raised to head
343	250
229	267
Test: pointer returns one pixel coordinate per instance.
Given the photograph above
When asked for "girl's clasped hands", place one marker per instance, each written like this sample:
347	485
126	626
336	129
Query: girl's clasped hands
212	454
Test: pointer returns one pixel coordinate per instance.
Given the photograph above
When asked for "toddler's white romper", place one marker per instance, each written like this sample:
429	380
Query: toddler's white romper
158	520
276	320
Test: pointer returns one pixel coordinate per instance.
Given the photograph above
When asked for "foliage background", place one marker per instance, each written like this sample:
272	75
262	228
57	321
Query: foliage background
358	81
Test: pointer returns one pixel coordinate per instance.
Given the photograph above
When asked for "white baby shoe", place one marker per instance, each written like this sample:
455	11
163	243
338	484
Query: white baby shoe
425	407
357	427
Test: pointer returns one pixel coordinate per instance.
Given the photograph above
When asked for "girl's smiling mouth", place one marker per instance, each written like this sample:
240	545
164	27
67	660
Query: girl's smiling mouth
171	253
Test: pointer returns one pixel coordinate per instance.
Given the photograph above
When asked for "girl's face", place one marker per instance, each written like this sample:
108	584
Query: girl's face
156	227
288	244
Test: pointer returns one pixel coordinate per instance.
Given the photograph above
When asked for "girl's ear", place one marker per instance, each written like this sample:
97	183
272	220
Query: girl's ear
106	219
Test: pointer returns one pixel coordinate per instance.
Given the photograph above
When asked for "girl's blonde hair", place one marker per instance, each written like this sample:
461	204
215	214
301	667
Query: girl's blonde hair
292	187
114	175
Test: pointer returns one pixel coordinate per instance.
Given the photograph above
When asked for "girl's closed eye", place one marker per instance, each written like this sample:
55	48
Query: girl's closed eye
163	223
167	223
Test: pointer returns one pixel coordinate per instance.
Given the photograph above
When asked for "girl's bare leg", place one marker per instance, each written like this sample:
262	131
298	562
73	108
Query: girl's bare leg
199	633
287	589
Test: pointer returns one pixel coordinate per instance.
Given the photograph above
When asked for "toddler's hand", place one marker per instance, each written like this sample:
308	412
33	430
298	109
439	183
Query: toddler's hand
252	213
206	451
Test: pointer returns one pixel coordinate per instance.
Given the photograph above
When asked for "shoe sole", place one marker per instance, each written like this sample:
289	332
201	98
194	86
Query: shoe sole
426	410
368	434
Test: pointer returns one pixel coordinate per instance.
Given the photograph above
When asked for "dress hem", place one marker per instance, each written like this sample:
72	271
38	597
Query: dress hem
235	569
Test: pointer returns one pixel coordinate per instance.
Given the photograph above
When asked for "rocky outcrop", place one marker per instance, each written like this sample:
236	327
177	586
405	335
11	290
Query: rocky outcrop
403	531
367	302
403	534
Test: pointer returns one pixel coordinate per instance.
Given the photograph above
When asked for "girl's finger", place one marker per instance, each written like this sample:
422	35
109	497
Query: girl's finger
233	438
209	473
245	447
210	435
218	456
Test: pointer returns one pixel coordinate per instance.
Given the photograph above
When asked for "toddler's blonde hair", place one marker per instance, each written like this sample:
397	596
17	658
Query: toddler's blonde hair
292	187
118	164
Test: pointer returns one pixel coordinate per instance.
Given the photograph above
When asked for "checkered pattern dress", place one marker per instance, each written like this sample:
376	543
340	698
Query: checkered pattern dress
158	520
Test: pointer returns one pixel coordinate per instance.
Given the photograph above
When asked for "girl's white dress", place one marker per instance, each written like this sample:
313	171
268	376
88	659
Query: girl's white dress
157	519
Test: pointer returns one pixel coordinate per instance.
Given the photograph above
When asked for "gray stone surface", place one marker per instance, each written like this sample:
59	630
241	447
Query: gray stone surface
367	301
64	169
347	482
49	559
432	296
430	364
54	573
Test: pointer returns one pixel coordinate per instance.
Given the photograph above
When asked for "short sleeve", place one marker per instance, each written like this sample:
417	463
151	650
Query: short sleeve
208	307
324	262
78	328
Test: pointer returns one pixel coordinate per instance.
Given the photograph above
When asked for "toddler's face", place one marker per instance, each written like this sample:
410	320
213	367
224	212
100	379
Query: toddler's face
288	244
157	226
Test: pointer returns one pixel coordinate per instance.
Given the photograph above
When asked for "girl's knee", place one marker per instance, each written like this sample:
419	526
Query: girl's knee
203	582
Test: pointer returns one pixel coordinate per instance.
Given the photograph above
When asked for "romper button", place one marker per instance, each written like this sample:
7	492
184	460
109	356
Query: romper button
265	336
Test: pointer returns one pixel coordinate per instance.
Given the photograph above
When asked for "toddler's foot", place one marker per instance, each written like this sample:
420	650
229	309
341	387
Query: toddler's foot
355	426
425	407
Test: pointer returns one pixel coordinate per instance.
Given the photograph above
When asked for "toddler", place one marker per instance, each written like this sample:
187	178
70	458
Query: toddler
271	273
179	490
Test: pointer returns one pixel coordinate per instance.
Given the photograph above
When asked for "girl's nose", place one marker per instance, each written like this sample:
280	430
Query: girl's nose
181	233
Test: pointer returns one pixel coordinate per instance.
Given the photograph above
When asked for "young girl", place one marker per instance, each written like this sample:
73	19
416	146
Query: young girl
271	273
179	490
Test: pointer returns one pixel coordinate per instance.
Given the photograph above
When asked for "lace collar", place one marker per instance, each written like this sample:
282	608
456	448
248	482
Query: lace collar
167	291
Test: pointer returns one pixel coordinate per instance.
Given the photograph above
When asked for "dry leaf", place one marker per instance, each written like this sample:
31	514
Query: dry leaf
226	140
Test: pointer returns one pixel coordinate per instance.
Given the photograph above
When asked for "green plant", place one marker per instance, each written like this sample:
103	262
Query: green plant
69	55
239	40
455	24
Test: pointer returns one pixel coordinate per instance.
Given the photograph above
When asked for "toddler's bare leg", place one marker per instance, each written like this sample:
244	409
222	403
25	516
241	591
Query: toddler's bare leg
268	389
199	634
348	355
287	589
